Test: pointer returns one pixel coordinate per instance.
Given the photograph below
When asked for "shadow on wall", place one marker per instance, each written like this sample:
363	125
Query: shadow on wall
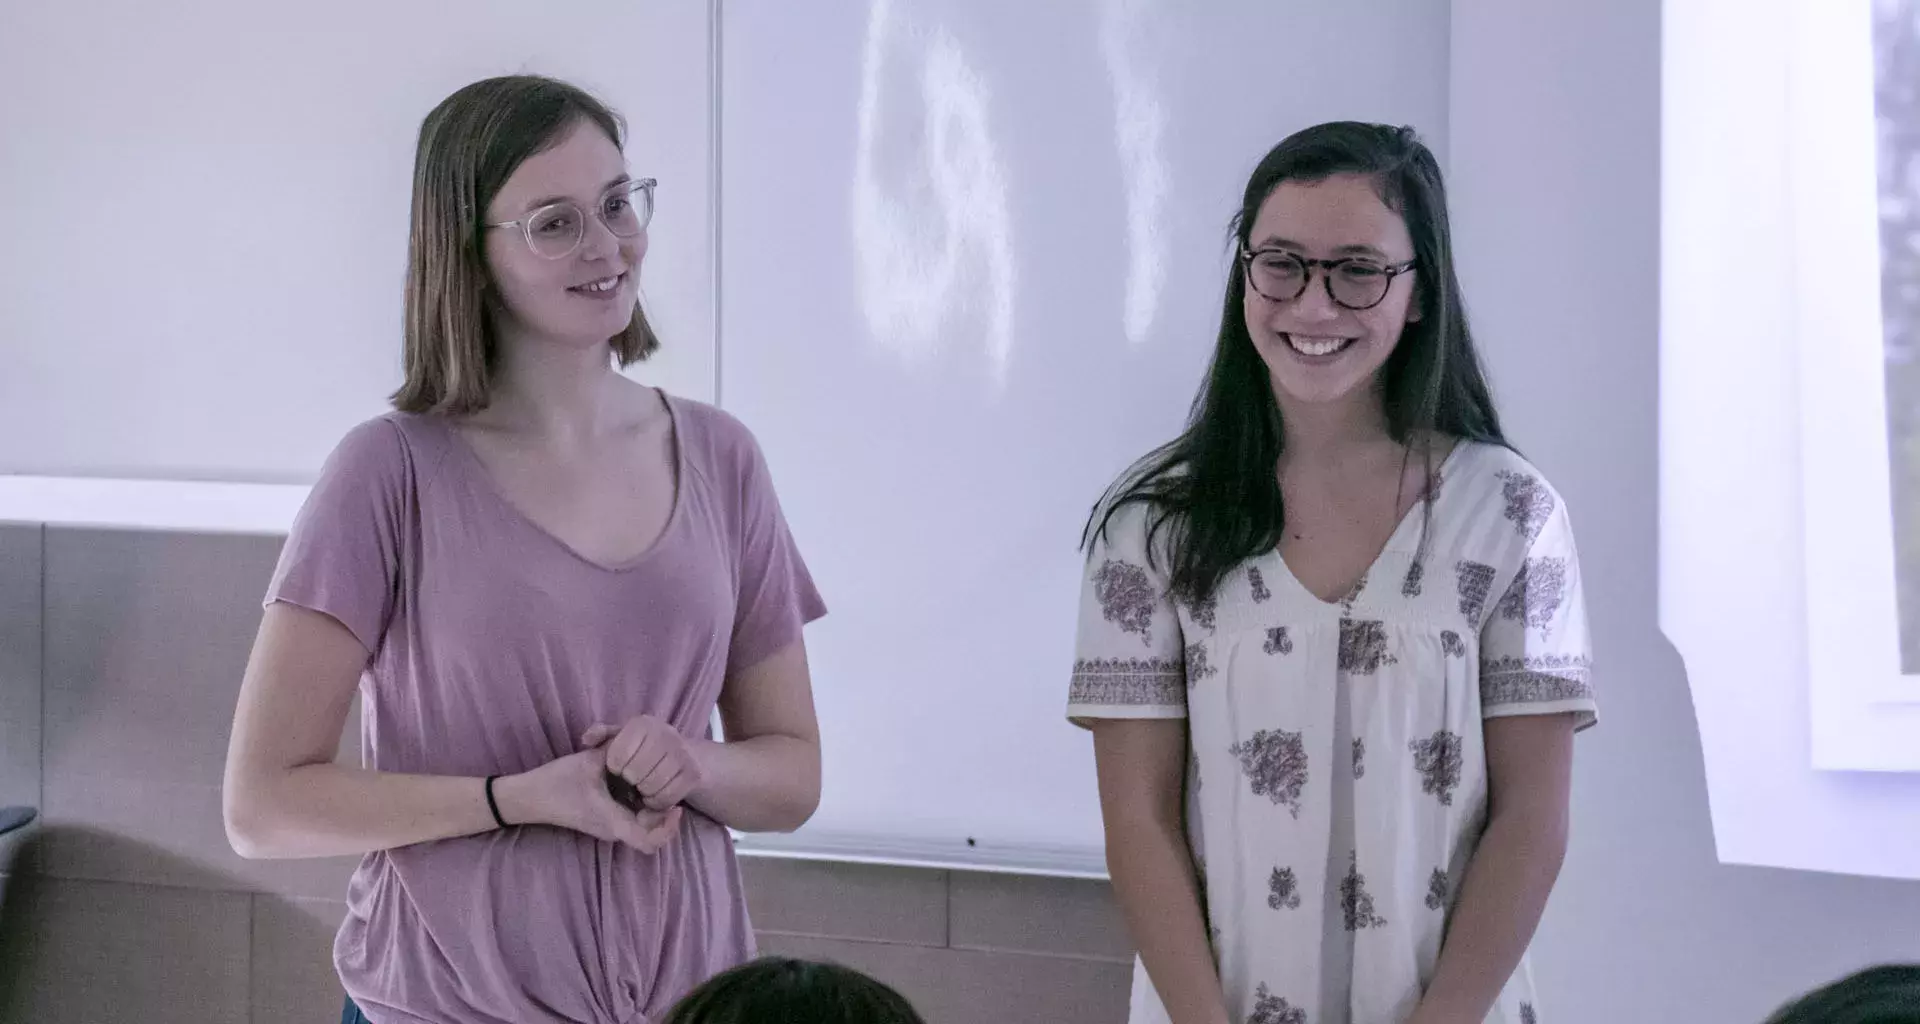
162	621
203	950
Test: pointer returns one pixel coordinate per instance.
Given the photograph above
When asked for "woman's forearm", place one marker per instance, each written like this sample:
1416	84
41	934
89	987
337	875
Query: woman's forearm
330	810
1501	900
765	783
1154	883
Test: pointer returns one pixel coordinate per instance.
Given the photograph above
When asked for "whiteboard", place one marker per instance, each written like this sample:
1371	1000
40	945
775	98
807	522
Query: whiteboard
972	255
206	203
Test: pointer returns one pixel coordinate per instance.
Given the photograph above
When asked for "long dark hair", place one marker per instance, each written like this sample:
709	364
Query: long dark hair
793	991
1215	486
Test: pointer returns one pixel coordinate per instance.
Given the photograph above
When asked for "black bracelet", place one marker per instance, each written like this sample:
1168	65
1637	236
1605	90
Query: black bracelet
492	806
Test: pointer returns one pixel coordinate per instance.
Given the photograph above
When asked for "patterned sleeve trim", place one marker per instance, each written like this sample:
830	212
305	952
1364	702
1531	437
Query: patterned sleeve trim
1533	688
1539	685
1128	683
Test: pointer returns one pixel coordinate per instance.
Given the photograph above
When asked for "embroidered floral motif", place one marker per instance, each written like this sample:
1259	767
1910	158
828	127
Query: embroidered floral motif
1271	1009
1203	612
1259	584
1529	503
1527	1016
1275	762
1198	667
1283	890
1451	645
1130	682
1536	592
1278	642
1126	598
1476	581
1359	587
1359	757
1438	760
1410	587
1437	887
1363	646
1356	904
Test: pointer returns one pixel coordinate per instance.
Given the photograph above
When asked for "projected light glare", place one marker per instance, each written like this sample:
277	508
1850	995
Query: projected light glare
1139	123
934	245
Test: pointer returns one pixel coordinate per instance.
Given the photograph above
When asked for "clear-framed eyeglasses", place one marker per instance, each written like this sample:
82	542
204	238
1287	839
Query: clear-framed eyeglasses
1355	282
555	230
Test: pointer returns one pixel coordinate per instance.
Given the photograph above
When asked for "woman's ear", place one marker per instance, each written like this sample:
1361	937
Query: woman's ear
1417	308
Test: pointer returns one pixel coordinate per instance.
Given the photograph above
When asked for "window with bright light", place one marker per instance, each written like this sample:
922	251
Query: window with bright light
1896	46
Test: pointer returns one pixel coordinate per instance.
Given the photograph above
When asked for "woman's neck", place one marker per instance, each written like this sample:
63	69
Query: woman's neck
561	394
1327	433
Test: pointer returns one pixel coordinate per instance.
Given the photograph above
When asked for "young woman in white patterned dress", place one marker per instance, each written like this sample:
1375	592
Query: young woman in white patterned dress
1332	644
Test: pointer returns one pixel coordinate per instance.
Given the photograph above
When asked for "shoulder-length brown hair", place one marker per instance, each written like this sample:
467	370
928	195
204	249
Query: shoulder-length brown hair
469	146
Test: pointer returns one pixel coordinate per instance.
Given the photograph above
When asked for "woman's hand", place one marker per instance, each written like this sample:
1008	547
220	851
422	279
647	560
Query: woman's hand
653	756
571	792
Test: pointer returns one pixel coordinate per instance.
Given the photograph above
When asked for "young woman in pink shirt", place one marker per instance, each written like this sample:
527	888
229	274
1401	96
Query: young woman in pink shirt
542	579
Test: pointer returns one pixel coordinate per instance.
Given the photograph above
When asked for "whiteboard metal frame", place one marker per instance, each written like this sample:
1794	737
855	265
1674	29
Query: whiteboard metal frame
1029	860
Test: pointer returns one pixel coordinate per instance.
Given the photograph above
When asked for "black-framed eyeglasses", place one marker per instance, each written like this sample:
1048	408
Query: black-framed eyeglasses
555	230
1354	282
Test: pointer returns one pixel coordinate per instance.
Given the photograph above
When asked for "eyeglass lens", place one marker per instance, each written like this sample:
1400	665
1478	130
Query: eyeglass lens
556	230
1282	277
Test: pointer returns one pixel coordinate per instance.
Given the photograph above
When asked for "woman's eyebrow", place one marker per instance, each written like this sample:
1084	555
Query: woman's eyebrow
1276	242
538	203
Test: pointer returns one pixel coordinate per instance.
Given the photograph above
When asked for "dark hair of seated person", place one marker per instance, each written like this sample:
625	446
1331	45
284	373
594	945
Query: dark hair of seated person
1889	994
790	991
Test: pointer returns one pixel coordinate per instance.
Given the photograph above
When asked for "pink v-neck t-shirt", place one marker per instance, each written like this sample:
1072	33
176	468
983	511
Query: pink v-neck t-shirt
494	647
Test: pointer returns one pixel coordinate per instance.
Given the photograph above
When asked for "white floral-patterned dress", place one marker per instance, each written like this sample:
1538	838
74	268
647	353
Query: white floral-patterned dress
1337	785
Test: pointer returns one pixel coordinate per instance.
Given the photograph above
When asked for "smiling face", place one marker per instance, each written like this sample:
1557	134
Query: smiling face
586	297
1316	350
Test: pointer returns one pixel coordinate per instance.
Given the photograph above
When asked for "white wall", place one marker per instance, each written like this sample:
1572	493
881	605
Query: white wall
203	213
1555	162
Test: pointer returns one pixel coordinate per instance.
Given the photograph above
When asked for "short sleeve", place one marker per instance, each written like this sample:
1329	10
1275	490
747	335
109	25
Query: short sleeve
776	597
342	556
1128	649
1535	655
